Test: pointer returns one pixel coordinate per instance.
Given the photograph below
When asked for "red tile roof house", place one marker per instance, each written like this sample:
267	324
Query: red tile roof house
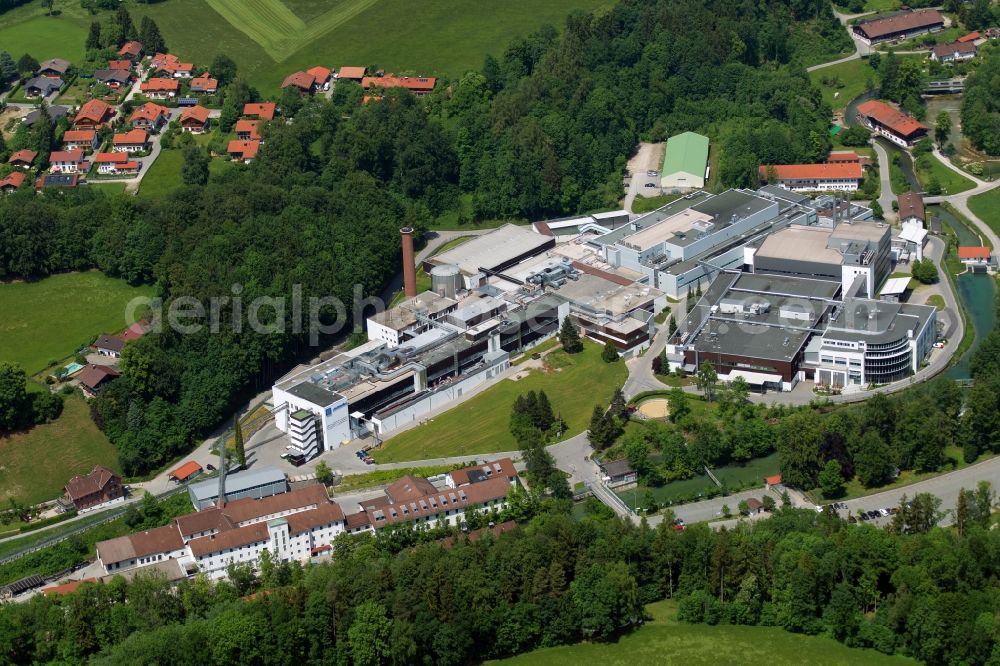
116	164
93	114
321	75
351	74
82	139
954	52
893	124
177	70
159	88
133	141
204	85
262	110
93	378
150	116
243	150
246	130
101	486
418	85
66	161
131	51
125	65
23	159
12	181
842	176
194	119
839	156
301	80
975	256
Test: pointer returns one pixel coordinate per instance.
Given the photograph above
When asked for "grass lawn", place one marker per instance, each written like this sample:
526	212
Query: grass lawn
842	83
115	187
37	463
986	206
732	476
573	383
43	37
645	204
937	300
165	174
929	167
907	477
667	642
52	318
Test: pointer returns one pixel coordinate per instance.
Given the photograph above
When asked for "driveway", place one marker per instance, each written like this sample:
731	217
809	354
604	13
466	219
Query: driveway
649	157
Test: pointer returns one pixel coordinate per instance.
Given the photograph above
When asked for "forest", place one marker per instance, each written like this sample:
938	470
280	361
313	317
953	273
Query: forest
544	130
981	105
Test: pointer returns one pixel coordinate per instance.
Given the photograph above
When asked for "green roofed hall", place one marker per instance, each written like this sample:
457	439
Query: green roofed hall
685	161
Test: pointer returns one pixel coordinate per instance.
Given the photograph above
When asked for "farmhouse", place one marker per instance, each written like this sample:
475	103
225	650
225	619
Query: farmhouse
100	487
204	85
113	78
843	176
247	129
93	114
954	52
66	161
133	141
418	85
194	119
93	378
55	68
131	51
243	150
893	124
160	88
23	159
150	116
113	164
901	25
351	74
12	181
685	161
82	139
303	81
261	110
42	86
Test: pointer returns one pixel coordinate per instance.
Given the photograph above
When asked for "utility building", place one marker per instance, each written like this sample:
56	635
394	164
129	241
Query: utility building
685	162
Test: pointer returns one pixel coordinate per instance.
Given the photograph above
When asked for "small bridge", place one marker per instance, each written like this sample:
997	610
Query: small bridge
964	383
945	87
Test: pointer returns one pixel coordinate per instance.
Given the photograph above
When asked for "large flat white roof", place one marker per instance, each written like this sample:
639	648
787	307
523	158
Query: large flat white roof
495	248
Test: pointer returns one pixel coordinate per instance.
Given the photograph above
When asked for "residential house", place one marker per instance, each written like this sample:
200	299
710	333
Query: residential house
351	74
116	164
54	112
160	59
842	176
131	51
12	181
321	76
133	141
101	486
418	85
244	151
94	378
893	124
150	116
62	180
194	119
160	88
911	209
954	52
42	86
109	345
618	473
113	78
975	258
93	114
23	159
261	110
55	68
66	161
900	25
85	139
246	130
301	80
754	506
174	69
204	85
124	65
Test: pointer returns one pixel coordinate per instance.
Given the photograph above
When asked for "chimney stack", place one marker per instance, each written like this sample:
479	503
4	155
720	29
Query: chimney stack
409	271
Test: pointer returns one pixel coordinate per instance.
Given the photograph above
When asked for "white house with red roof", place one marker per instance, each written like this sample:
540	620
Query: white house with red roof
82	139
160	87
204	85
12	181
902	129
150	116
23	159
247	130
839	176
194	119
261	110
66	161
133	141
242	150
116	164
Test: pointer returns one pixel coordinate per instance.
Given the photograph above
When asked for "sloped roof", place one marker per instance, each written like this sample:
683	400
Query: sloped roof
184	471
300	80
902	22
835	171
414	83
94	110
972	252
894	119
686	153
94	375
23	155
195	113
81	486
911	204
245	149
14	179
263	110
351	73
131	138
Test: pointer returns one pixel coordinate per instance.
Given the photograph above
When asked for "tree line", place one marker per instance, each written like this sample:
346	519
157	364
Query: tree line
981	105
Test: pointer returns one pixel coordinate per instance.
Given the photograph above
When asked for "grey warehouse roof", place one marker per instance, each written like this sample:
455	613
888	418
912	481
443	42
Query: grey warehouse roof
493	249
236	483
317	395
730	203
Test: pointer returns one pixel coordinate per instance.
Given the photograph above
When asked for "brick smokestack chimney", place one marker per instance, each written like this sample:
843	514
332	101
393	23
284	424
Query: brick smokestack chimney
409	271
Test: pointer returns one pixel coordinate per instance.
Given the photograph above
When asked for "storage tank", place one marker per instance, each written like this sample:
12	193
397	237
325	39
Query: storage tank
446	280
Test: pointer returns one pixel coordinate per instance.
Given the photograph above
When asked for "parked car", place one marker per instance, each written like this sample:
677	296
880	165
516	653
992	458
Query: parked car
210	467
650	185
651	173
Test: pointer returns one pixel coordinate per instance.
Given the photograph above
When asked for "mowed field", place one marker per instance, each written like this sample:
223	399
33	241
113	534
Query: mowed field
667	642
52	318
269	39
34	465
573	384
987	207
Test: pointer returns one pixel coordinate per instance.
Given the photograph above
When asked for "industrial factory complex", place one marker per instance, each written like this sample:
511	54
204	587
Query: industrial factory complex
790	290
